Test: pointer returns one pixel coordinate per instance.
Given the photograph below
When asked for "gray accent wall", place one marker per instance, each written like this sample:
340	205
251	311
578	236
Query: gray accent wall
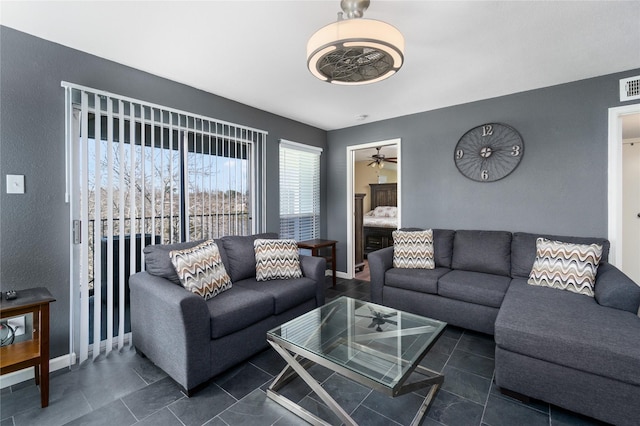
559	187
34	227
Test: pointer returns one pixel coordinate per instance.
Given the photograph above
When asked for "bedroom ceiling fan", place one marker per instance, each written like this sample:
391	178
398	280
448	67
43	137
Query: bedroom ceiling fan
379	159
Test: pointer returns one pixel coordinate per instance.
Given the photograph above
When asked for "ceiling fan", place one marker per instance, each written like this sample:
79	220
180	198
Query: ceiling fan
379	159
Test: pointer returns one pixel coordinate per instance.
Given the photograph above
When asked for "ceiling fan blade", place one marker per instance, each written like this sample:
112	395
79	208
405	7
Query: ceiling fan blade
391	322
373	324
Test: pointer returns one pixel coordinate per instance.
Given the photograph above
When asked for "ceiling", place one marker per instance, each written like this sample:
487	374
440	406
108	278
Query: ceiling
254	51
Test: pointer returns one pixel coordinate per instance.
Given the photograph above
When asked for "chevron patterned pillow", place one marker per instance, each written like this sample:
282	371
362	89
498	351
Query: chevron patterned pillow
201	270
413	249
277	259
566	266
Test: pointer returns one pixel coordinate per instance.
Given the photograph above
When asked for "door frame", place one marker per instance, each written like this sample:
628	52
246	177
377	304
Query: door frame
351	193
615	180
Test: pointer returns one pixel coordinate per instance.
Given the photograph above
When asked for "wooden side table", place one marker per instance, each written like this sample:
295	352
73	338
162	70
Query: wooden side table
33	352
315	246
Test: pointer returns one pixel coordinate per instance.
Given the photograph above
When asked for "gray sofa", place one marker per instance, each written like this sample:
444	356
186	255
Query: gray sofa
578	352
193	340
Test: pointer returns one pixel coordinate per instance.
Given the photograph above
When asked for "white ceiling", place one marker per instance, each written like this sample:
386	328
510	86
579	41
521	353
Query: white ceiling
254	51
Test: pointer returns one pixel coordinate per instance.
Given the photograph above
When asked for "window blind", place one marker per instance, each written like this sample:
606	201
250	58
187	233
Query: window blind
141	174
299	191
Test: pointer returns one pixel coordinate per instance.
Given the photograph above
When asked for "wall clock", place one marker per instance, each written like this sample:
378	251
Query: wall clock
489	152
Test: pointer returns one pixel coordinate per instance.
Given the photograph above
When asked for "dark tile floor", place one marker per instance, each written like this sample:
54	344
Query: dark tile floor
126	389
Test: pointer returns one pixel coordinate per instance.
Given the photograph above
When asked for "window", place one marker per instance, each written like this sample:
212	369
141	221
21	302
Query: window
299	191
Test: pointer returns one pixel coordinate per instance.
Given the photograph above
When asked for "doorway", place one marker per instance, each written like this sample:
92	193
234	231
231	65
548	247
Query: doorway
367	156
624	189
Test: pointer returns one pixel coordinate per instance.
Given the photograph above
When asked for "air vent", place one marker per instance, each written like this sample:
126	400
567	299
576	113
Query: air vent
630	88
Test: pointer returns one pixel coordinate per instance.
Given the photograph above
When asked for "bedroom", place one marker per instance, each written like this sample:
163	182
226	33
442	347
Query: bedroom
375	197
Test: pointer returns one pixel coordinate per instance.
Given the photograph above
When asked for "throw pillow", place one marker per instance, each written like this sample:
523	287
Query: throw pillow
566	266
413	249
201	270
277	259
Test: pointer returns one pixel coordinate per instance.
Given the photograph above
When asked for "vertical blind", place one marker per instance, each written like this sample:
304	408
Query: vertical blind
141	174
299	191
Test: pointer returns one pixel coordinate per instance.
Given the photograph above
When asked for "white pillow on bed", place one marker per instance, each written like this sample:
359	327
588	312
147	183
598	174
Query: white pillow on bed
384	211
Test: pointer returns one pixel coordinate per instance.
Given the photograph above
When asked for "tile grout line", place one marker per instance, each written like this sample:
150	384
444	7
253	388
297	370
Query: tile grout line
127	407
174	414
486	401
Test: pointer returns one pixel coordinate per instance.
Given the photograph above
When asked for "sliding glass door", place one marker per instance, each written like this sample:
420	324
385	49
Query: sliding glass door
142	174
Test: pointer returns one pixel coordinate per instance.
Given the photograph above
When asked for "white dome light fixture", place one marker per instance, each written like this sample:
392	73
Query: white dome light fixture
355	51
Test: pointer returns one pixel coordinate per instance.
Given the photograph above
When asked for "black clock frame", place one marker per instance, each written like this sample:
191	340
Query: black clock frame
489	152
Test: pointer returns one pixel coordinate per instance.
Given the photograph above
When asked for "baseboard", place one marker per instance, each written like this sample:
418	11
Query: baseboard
339	274
16	377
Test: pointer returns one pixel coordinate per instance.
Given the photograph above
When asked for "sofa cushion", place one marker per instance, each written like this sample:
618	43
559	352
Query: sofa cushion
523	250
286	294
158	262
482	251
443	247
201	270
615	290
474	287
237	309
571	330
566	266
241	256
421	280
276	259
413	250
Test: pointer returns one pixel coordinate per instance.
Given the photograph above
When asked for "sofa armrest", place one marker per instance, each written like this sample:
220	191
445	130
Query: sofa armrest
379	262
314	268
616	290
172	327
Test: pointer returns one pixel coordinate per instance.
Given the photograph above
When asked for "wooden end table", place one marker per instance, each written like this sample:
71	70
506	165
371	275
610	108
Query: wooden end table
315	246
33	352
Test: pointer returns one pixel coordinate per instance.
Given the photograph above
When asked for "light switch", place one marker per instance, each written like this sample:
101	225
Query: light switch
15	184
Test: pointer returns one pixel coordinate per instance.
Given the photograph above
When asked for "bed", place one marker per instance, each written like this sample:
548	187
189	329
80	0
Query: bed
382	219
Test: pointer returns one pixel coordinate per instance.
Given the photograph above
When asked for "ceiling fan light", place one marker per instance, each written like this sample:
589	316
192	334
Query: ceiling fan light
355	51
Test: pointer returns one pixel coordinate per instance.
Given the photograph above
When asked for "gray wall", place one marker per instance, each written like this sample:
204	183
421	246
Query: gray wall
34	242
559	187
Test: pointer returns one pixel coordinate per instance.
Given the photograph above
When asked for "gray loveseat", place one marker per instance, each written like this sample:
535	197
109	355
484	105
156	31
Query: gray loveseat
193	340
578	352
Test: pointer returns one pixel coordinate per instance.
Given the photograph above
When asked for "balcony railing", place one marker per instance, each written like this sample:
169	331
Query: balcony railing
167	228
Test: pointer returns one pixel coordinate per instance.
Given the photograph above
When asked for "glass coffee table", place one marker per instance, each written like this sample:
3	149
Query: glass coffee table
376	346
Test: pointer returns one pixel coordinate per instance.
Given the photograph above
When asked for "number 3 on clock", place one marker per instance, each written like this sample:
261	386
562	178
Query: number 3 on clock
515	150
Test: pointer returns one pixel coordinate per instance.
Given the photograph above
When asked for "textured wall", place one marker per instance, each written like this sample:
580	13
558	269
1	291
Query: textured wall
34	235
559	187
